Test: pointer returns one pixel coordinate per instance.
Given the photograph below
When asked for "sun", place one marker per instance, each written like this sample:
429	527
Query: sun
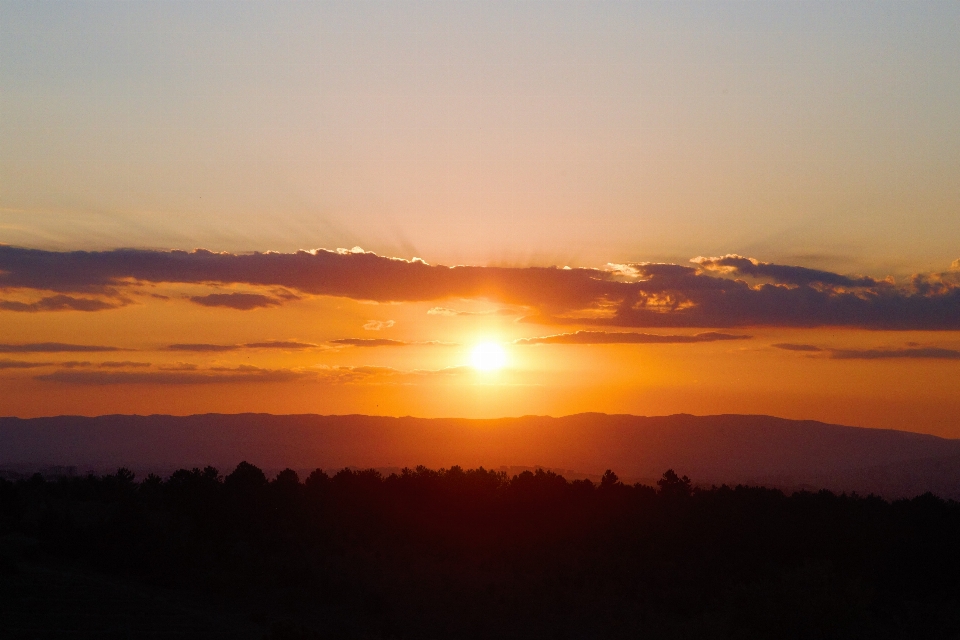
488	356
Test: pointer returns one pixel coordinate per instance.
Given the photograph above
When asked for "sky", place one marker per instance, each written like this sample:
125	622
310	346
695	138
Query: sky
649	208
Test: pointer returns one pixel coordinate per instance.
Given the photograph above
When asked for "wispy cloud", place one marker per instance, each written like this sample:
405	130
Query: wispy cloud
123	364
604	337
369	342
387	342
789	346
289	345
172	377
916	352
179	366
189	374
281	345
6	363
378	375
55	347
378	325
883	354
202	347
60	303
446	311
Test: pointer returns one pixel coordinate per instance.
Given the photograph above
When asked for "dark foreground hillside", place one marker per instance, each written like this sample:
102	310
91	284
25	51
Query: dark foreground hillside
467	554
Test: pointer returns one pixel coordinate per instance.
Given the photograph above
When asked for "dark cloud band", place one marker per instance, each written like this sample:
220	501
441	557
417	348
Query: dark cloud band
281	345
186	374
55	347
98	378
603	337
59	303
922	353
6	363
789	346
933	353
714	293
369	342
239	301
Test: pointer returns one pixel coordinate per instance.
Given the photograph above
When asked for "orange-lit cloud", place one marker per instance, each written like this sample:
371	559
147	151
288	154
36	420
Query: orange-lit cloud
783	274
445	311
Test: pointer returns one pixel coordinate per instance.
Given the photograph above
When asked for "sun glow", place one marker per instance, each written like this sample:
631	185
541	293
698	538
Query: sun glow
488	356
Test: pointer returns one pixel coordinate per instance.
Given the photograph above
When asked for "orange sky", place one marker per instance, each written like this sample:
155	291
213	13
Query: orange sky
285	358
810	148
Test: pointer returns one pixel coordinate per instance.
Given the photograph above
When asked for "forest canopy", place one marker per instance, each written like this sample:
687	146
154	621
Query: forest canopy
476	553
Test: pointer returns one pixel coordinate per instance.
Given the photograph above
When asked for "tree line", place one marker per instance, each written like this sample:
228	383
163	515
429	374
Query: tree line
456	553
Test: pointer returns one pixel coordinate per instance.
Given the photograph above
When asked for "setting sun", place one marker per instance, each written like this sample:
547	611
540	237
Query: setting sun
488	356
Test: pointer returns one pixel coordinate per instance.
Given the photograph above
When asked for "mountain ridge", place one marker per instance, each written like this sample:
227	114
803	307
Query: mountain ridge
724	448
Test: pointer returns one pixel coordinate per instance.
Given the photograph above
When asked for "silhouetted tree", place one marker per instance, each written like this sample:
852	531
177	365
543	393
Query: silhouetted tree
609	480
671	485
245	479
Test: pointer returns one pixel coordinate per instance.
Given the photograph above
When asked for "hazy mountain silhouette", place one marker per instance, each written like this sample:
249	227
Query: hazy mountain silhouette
710	449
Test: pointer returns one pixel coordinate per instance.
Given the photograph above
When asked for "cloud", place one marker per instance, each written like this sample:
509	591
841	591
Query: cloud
238	301
221	375
113	364
445	311
202	347
387	342
352	274
783	274
603	337
21	364
187	374
59	303
378	325
714	292
384	375
796	347
179	366
287	345
55	347
883	354
918	352
369	342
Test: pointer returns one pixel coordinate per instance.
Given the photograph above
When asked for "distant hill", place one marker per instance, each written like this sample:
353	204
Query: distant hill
710	449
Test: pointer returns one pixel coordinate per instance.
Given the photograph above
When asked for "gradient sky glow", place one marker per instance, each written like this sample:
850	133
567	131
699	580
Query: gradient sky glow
821	135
